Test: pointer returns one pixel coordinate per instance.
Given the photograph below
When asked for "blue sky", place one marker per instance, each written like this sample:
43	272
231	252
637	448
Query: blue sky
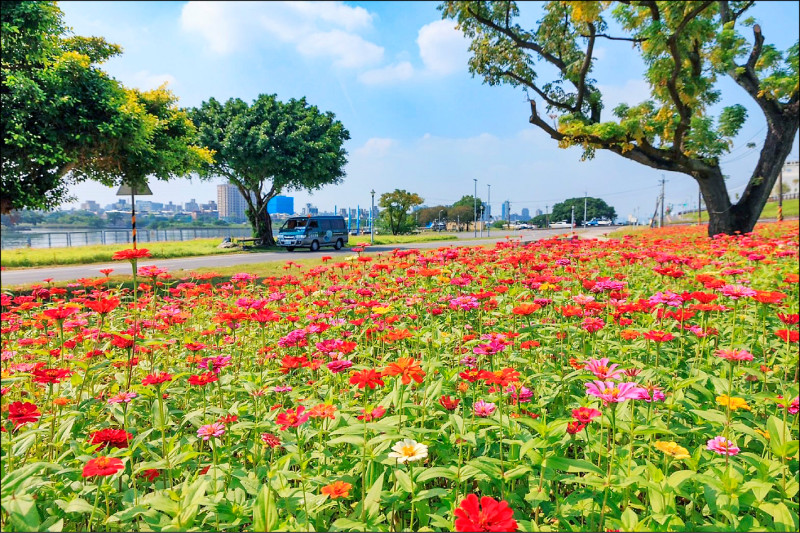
396	75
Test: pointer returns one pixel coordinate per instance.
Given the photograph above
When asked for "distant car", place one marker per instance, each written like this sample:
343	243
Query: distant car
604	222
560	225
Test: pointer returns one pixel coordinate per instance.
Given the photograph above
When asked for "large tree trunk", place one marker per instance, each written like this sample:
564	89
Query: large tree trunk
261	222
728	218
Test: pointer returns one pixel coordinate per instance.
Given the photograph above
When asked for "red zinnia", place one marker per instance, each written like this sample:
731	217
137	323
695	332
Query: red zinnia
292	418
366	378
449	403
575	427
489	515
788	335
50	375
156	379
113	438
102	466
103	305
131	254
584	415
203	379
23	412
659	336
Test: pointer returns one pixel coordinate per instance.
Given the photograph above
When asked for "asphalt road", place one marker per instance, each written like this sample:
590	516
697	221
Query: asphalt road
10	278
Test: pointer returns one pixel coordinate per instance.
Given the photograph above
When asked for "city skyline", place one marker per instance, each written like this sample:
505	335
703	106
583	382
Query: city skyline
397	78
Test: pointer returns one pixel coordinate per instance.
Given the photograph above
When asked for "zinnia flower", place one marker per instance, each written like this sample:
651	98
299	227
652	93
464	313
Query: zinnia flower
408	450
483	409
584	415
292	418
337	489
102	466
122	397
214	429
371	414
366	378
23	413
601	369
732	402
270	440
734	355
202	380
131	254
488	515
449	402
156	379
673	449
340	365
611	392
722	446
407	368
113	438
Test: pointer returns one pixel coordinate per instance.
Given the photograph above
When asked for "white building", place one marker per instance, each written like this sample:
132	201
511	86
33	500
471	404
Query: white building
791	177
231	203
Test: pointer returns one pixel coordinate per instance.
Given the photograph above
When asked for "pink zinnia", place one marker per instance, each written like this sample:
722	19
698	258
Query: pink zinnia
611	392
122	397
340	365
737	291
593	325
734	355
722	446
668	298
601	369
483	409
492	348
215	429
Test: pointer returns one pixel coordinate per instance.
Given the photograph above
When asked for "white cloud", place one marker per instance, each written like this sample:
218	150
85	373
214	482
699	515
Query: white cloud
633	92
144	80
375	147
347	49
325	29
442	48
389	74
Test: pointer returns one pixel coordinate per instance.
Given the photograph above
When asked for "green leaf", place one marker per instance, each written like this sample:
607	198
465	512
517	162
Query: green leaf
78	505
373	499
572	465
629	520
403	480
430	493
782	517
265	513
777	435
22	512
436	472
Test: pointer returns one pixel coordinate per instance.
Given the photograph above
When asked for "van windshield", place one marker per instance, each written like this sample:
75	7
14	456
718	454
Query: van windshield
294	224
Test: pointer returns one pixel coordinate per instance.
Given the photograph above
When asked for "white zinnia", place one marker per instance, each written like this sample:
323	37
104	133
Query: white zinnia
408	450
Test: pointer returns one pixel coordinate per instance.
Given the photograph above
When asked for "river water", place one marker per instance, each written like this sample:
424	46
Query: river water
53	238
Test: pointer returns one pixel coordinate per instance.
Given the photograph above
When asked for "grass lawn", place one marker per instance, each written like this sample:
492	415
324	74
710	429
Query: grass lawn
402	239
100	253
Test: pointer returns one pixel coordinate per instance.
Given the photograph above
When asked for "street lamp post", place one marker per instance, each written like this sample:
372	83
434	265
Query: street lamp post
475	208
371	218
439	220
488	205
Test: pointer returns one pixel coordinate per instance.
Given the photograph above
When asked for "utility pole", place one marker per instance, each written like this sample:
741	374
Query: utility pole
475	208
488	205
371	215
546	216
661	219
508	206
573	217
699	199
585	194
780	197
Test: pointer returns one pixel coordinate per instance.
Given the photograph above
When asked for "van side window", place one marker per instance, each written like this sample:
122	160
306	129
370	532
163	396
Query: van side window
325	225
338	224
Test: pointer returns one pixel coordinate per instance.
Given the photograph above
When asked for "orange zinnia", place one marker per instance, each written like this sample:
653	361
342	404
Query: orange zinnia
407	368
337	489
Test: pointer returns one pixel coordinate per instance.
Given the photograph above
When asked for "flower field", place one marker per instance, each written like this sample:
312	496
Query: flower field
647	383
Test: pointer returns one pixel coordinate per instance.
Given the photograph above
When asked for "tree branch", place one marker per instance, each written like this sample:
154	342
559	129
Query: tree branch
544	96
587	62
611	38
522	43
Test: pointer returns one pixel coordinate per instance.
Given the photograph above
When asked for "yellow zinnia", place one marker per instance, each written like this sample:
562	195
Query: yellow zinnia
734	403
673	449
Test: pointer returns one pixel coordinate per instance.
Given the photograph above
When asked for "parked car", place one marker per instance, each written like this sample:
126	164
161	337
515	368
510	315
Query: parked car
313	232
560	225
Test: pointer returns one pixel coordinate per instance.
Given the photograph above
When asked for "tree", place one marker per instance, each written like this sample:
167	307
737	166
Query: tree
395	206
595	208
269	147
686	46
64	120
426	215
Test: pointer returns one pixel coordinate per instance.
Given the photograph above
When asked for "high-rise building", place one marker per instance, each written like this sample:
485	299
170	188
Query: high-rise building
281	205
191	206
526	214
506	211
538	212
231	203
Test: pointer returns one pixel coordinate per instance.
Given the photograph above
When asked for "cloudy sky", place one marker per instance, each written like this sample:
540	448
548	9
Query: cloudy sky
396	75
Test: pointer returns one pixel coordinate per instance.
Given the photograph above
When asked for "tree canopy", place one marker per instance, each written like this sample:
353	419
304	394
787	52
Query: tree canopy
595	208
395	214
271	146
64	120
686	47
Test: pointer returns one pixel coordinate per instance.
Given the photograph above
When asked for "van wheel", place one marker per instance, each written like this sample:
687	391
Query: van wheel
314	246
338	244
290	248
